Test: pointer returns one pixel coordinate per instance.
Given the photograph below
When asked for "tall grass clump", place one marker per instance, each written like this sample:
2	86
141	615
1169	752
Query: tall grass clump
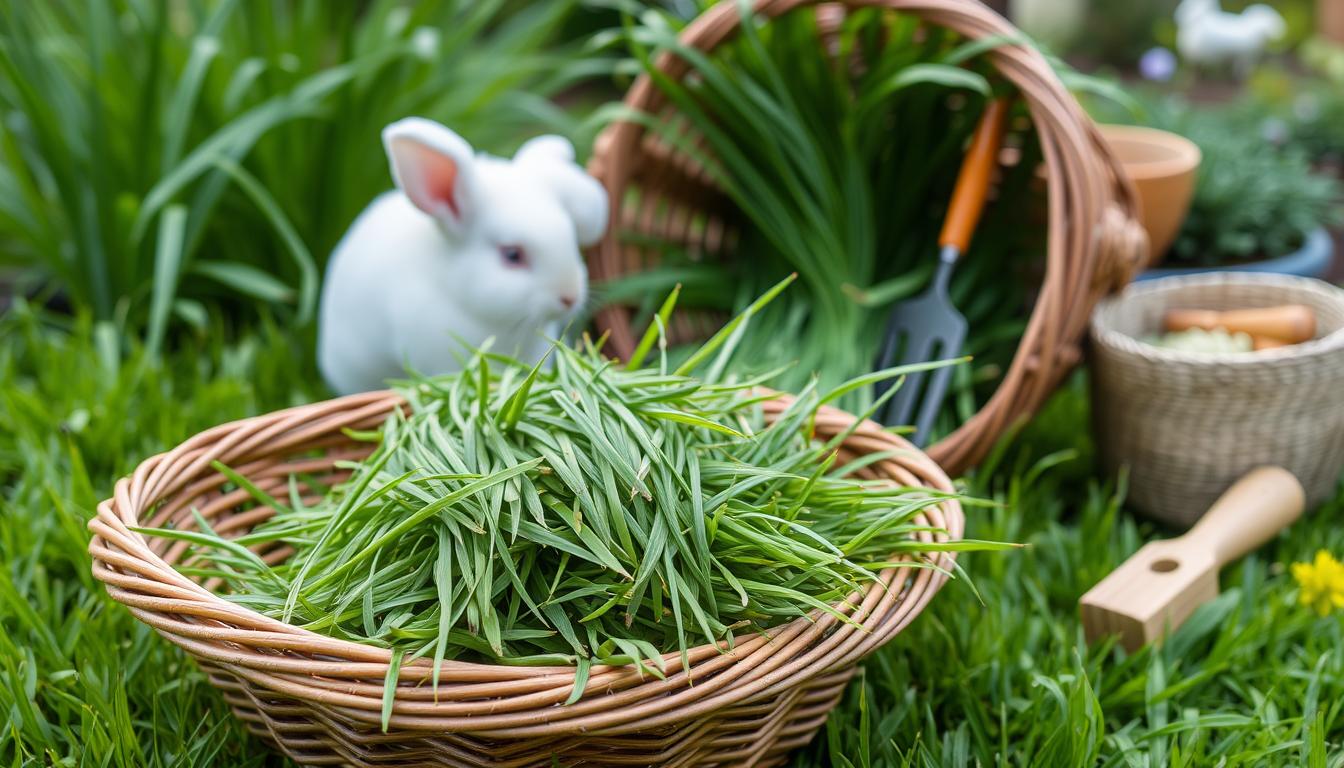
82	682
587	513
161	159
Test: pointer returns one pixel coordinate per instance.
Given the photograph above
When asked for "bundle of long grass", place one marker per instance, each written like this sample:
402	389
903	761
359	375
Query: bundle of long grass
840	173
583	513
769	137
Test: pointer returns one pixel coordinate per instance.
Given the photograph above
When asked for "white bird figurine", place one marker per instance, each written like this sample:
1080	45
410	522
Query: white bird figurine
469	247
1207	36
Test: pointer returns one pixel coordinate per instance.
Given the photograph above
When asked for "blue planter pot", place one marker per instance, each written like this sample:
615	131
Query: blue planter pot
1313	259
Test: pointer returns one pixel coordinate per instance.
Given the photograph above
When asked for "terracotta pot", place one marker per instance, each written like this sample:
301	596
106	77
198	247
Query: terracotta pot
1330	20
1163	168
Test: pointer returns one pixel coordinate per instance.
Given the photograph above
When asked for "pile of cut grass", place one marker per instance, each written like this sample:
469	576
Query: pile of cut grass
580	513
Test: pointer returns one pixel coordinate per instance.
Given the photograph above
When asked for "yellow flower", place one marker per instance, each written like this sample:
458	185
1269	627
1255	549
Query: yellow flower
1322	582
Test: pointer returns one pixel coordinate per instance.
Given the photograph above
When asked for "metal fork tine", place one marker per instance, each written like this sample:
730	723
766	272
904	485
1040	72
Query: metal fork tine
931	319
902	404
928	409
892	338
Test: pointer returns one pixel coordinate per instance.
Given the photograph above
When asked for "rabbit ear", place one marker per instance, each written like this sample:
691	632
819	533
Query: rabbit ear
582	196
434	167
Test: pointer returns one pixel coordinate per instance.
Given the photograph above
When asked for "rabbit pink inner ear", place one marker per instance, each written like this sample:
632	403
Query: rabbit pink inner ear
429	178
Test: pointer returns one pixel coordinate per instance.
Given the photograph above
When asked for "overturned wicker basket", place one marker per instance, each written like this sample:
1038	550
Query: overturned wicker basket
319	699
1095	244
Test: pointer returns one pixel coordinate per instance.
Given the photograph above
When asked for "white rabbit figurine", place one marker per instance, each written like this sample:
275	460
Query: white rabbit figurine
468	247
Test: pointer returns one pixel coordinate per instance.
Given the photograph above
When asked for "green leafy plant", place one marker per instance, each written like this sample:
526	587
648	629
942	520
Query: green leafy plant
1257	195
158	159
840	173
1252	200
1317	124
1308	111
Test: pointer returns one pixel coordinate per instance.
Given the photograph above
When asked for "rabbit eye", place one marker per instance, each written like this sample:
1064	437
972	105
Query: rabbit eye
513	255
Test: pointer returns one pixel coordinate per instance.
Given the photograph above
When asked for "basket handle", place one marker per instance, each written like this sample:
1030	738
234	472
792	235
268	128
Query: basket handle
1122	248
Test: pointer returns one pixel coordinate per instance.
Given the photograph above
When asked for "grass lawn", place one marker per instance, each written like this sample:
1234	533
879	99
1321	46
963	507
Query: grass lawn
1006	679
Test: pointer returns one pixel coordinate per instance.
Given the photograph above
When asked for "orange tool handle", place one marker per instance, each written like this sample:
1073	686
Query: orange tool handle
1290	323
968	197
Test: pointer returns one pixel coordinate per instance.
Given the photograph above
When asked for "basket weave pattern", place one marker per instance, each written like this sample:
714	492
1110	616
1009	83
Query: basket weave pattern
319	699
1188	425
1094	245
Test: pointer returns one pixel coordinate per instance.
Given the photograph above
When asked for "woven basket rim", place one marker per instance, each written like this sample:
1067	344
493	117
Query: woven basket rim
1105	334
121	556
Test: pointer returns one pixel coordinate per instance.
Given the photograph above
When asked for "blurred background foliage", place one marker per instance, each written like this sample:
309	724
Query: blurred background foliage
159	160
171	165
1110	33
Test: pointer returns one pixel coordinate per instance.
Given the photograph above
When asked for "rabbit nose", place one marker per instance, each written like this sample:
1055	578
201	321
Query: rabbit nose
567	301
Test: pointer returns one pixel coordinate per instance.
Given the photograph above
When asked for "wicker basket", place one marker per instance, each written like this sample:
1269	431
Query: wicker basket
319	699
1095	243
1188	425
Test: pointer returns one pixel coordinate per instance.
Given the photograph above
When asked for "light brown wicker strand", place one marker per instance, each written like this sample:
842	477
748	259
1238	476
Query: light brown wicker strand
319	699
1094	243
1188	425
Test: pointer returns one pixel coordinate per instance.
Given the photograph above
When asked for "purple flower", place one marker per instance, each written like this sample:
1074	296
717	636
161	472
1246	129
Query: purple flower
1157	64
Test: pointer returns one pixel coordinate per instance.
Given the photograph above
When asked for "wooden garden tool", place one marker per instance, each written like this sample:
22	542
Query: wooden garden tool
930	327
1158	588
1290	323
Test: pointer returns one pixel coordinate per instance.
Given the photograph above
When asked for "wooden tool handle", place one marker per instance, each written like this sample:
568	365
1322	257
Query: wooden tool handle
968	197
1290	323
1259	505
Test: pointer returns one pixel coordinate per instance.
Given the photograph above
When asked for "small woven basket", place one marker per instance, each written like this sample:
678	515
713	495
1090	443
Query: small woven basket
319	699
1094	245
1187	425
